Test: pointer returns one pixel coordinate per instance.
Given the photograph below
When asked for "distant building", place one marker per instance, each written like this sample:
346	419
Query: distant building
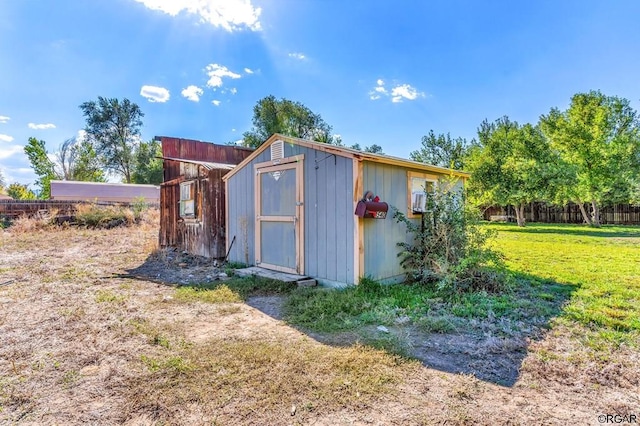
99	191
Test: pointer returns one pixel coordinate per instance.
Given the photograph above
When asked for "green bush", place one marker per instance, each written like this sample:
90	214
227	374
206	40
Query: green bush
449	251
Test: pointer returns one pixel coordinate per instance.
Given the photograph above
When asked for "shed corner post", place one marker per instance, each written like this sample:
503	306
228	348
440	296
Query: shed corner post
358	226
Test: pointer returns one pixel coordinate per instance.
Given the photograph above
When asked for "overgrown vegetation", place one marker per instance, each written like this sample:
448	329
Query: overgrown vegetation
86	215
449	251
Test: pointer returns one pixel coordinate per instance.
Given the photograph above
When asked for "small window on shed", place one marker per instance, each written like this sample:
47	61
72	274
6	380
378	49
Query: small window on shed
419	186
187	199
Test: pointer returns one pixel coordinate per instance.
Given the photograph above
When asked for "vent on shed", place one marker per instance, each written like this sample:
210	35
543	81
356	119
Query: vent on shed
277	150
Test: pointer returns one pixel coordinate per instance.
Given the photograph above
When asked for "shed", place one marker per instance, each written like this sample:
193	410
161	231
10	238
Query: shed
103	191
291	208
192	215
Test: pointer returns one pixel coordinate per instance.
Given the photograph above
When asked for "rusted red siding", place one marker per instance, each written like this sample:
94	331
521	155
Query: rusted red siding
203	235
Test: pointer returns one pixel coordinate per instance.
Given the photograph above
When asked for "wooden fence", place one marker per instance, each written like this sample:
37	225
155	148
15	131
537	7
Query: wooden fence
11	209
619	214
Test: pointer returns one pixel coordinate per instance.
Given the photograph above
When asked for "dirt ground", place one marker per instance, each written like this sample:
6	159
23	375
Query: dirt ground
76	307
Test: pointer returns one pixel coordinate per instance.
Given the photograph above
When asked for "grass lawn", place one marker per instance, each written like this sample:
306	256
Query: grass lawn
602	264
567	273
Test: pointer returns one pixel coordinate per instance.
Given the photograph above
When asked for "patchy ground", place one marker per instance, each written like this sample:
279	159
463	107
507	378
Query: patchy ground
91	334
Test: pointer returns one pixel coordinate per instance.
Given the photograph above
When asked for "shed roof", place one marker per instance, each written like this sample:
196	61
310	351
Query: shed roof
206	164
349	153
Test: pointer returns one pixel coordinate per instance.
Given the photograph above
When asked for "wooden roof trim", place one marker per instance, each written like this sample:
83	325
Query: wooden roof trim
348	153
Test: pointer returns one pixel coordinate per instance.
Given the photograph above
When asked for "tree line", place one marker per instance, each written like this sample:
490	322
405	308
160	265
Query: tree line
588	154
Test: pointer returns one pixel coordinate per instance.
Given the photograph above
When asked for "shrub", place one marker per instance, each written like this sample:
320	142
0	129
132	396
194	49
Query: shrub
95	216
449	250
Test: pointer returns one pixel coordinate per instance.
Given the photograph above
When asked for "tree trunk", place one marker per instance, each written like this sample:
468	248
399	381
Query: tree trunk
520	214
585	215
595	214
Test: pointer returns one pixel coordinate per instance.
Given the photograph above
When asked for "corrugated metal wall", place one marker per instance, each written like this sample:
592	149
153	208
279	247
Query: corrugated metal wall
328	200
206	236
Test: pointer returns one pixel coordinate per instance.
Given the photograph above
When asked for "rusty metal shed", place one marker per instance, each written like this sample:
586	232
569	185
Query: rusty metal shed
192	195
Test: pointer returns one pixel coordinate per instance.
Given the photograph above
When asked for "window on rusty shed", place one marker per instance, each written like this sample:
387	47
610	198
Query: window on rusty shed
187	199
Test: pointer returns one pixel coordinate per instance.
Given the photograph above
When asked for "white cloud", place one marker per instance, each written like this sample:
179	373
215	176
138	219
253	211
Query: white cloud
4	119
6	153
233	90
216	73
248	71
232	15
296	55
41	126
192	93
6	138
404	91
154	93
215	102
398	93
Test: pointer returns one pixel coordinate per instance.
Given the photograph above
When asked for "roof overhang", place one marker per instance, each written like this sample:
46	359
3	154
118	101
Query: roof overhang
348	153
206	164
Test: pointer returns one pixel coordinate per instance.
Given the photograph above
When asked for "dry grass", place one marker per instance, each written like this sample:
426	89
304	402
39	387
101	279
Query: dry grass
79	344
256	380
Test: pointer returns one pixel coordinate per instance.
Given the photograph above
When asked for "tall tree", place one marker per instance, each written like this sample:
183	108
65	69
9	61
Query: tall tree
509	166
148	167
598	141
2	183
19	191
114	126
442	150
42	165
289	118
79	161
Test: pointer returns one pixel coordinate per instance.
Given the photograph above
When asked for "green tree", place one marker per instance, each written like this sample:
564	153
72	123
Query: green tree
79	161
2	183
373	149
114	127
286	117
42	165
147	167
19	191
441	150
510	166
598	142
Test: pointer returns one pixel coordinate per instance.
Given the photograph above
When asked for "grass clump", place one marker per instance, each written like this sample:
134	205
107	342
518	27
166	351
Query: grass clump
95	216
107	296
220	294
234	290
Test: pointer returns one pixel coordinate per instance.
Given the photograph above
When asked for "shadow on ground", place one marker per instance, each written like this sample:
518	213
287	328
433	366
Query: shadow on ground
491	348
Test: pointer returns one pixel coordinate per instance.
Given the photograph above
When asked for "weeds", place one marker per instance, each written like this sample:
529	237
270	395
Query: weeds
107	296
220	294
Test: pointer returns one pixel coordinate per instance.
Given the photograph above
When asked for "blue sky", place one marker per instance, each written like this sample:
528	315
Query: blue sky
383	72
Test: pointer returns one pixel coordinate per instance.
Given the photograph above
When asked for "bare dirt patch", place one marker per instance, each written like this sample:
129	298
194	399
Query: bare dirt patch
86	339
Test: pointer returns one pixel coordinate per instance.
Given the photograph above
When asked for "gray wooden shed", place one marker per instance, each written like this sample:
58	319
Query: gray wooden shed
290	207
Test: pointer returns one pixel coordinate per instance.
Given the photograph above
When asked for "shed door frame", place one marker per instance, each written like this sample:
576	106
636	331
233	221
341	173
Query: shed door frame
291	163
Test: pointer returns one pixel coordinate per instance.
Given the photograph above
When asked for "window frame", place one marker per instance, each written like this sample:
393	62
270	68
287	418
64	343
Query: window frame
426	177
183	202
